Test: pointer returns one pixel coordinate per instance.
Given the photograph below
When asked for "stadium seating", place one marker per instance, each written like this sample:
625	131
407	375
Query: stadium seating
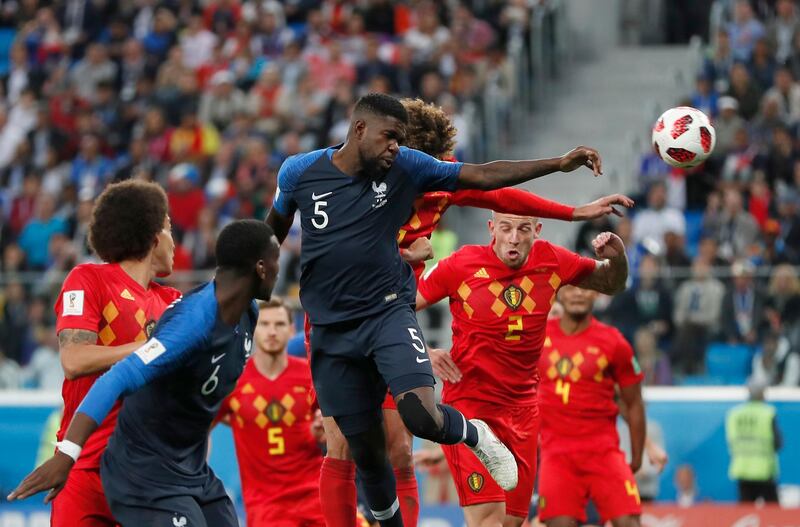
730	363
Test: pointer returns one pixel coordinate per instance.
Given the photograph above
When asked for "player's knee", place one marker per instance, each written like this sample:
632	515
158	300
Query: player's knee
485	515
400	452
420	421
562	521
513	521
335	443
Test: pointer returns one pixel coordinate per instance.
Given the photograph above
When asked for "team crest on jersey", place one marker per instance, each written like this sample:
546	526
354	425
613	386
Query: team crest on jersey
380	190
149	327
275	411
564	366
475	482
513	296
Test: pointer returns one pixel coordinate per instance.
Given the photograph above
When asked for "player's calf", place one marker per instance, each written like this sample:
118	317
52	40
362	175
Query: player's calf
626	521
485	515
562	521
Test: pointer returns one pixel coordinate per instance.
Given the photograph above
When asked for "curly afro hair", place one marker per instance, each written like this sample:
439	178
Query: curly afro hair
126	219
429	129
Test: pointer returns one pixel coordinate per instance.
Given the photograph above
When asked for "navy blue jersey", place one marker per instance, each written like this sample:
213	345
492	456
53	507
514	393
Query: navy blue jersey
350	263
174	386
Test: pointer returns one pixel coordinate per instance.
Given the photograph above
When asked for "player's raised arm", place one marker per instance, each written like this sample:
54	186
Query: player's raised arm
611	272
175	338
497	174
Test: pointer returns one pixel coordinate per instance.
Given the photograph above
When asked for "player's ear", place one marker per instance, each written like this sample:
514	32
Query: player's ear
538	230
359	128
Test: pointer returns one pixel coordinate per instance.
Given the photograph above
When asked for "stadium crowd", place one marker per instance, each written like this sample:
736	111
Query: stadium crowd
207	98
714	250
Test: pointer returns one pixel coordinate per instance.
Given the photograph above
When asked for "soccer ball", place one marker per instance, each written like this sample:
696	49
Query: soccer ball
683	137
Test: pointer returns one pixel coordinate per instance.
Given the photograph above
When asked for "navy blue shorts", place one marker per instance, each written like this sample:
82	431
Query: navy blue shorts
353	362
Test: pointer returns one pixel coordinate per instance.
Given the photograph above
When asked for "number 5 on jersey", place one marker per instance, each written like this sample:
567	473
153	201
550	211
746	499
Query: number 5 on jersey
320	219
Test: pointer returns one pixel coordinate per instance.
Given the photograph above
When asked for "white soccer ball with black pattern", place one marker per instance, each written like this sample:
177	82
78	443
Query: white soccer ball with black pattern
683	137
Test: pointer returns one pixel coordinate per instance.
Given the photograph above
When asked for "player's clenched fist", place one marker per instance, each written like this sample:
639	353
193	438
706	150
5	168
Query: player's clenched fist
579	157
51	475
608	245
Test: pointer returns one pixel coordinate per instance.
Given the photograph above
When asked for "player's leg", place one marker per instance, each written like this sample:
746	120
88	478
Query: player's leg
563	493
399	446
350	389
485	515
337	479
403	362
518	428
613	488
367	442
216	505
82	502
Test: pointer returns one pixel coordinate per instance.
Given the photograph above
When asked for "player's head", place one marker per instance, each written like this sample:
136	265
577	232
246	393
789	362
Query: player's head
429	129
274	328
513	237
378	127
130	221
577	302
250	248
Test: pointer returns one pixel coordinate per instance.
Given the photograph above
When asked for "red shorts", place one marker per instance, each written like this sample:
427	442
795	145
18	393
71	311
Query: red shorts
518	429
82	502
568	479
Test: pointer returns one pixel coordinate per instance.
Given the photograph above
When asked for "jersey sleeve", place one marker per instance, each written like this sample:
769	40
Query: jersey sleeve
78	305
184	328
625	368
572	267
513	201
437	283
288	177
428	173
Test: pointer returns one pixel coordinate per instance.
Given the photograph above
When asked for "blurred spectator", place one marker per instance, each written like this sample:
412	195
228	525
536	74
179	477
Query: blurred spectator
762	65
686	491
787	92
760	135
473	34
223	101
676	259
705	97
736	230
788	202
745	90
428	35
776	363
186	198
782	29
726	125
197	43
653	361
745	30
91	170
718	63
698	303
646	304
588	231
9	373
90	71
13	321
34	239
650	224
754	439
778	165
743	306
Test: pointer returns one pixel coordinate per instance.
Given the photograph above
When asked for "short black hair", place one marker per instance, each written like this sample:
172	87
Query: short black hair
126	219
382	104
242	243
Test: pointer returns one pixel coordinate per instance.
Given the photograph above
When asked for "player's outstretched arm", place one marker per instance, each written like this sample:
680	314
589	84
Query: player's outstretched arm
637	425
611	272
498	174
80	355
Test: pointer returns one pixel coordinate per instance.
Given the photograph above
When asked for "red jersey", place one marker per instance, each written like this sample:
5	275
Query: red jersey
429	208
576	393
104	299
279	459
499	316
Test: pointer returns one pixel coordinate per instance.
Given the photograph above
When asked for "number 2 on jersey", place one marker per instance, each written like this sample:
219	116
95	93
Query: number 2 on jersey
514	327
277	446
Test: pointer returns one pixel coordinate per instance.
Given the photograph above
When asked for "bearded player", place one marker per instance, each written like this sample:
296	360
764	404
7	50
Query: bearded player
500	295
580	365
103	313
271	412
429	130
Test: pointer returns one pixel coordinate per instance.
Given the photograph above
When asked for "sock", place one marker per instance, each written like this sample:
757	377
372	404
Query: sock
337	492
379	491
408	495
456	428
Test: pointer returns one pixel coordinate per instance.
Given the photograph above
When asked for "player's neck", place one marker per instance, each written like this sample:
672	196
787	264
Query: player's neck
270	365
140	270
346	159
571	325
234	295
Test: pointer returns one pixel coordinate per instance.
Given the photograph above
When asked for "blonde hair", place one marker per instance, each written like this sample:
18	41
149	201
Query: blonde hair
784	271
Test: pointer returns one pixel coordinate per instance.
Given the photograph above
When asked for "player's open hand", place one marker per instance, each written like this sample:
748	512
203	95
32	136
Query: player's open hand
608	245
582	156
443	365
51	475
602	207
419	251
656	455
